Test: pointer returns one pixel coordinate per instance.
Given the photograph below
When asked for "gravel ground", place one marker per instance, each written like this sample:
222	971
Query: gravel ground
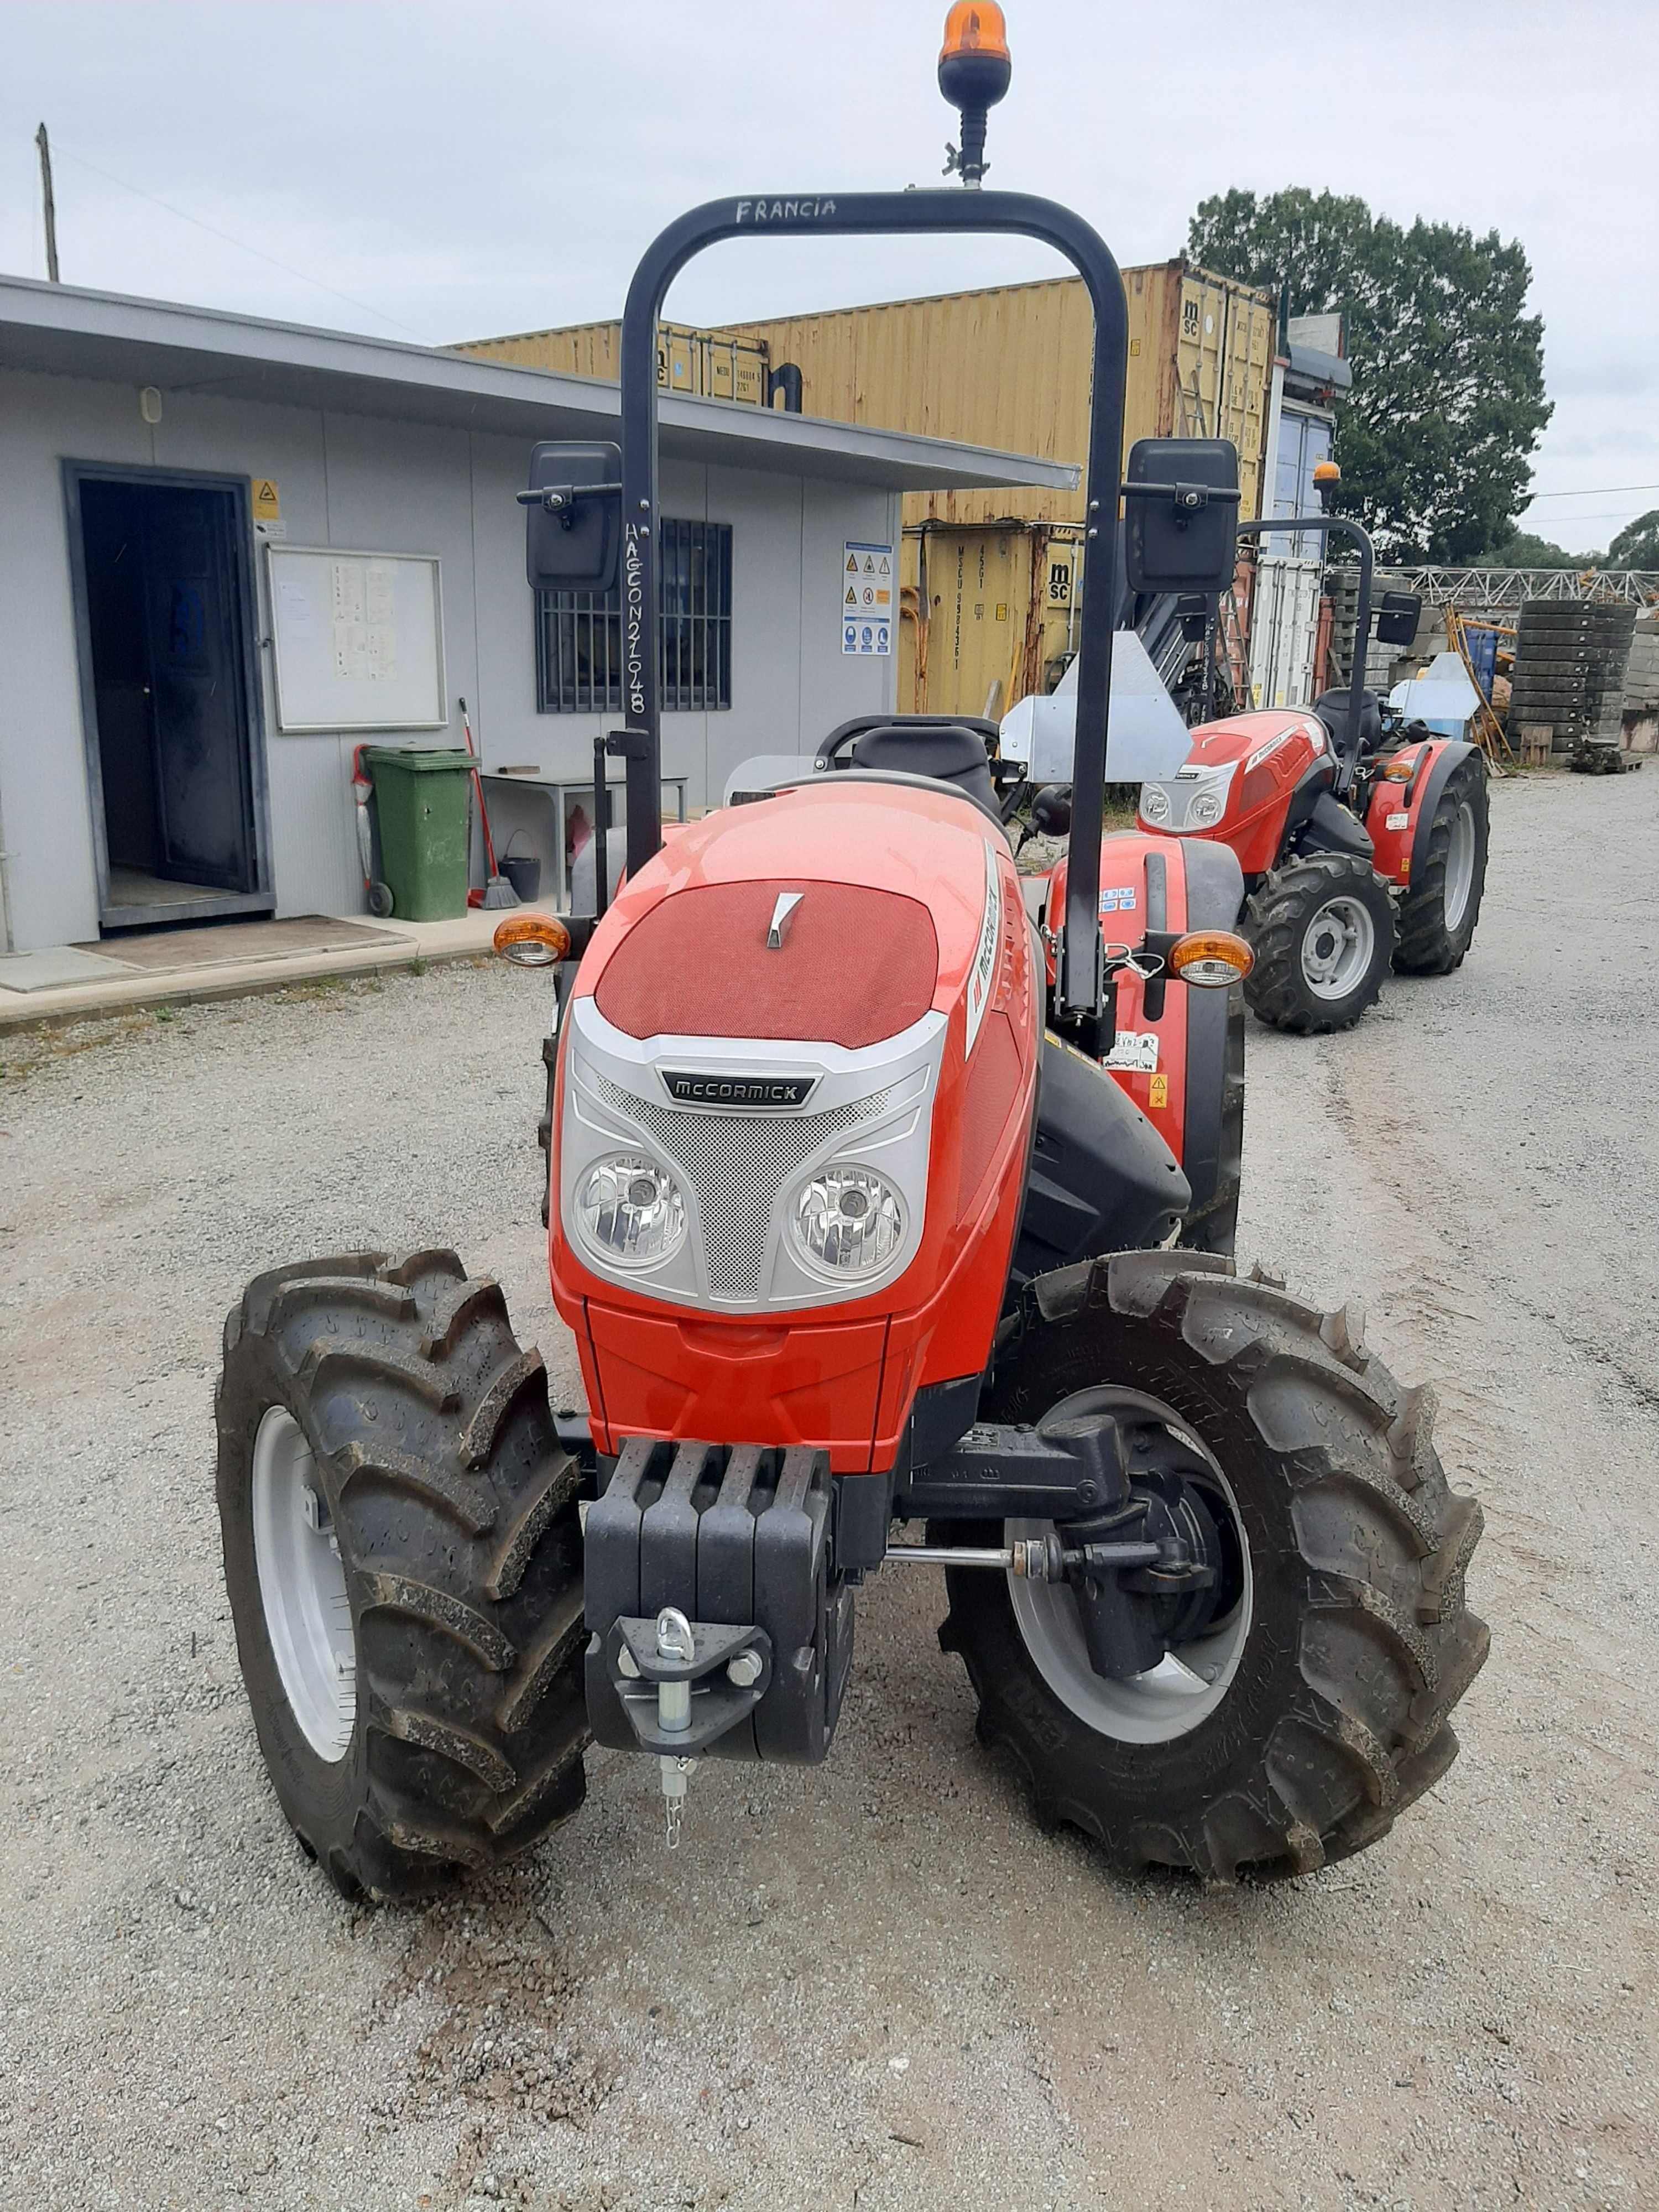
875	1984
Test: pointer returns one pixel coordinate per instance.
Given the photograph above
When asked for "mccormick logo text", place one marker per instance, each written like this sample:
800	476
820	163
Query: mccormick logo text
748	1093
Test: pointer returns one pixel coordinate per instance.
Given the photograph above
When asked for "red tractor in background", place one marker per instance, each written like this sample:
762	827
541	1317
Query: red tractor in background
1362	837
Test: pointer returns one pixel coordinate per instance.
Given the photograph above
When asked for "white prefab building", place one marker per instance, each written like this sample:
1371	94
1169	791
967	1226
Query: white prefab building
232	551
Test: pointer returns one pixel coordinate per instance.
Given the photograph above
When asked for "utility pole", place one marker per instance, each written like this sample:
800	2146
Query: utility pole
45	144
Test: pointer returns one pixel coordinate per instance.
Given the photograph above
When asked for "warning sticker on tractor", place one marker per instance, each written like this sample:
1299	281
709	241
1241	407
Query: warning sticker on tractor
1159	1093
868	597
1136	1052
1397	821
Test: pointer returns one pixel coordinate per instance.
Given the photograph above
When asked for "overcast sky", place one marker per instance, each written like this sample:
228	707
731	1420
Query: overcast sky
442	173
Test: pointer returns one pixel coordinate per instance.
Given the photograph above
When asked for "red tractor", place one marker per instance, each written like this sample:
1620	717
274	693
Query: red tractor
852	1231
1362	837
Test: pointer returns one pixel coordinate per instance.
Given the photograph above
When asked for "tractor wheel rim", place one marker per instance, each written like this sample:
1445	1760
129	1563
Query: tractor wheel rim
1337	947
1172	1698
302	1587
1460	864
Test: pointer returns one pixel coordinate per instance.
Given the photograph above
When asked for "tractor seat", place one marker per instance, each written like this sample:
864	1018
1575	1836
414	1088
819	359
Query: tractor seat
949	754
1332	708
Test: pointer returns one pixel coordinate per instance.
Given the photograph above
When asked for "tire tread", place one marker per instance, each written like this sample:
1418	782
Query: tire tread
456	1510
1276	916
1387	1647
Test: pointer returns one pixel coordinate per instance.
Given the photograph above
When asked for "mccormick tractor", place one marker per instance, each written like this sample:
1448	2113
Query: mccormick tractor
1362	838
852	1230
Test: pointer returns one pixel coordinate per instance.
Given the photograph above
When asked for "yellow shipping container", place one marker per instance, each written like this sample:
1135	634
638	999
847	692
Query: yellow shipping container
1010	368
989	577
704	364
986	613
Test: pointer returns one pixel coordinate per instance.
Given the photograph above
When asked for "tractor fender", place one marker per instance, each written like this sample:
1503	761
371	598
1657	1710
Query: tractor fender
1171	1055
1209	1136
1400	817
1331	827
1448	756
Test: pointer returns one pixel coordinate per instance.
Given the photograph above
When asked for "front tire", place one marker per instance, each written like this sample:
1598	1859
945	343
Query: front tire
1321	928
1438	914
1331	1684
403	1554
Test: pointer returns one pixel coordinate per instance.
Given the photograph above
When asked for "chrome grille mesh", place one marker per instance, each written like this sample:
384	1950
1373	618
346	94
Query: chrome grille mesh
737	1164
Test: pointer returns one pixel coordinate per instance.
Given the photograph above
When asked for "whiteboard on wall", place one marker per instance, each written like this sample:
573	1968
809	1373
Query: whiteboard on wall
357	639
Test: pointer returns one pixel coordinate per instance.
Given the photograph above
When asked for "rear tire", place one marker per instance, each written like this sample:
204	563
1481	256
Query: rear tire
1322	927
414	1447
1333	1717
1438	914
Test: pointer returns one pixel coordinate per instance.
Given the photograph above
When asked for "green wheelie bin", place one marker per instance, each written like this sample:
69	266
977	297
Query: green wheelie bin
420	796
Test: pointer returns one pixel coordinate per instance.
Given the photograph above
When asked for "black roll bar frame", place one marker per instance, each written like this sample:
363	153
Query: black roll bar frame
1081	987
1347	751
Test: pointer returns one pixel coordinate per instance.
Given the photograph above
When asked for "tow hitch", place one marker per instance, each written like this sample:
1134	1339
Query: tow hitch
717	1627
708	1678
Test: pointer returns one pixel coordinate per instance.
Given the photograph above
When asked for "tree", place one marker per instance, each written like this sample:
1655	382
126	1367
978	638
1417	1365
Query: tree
1447	399
1519	548
1637	545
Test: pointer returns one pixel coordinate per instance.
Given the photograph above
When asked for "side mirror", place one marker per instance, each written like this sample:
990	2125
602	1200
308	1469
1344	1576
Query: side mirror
1051	811
1397	617
1194	615
1182	503
573	517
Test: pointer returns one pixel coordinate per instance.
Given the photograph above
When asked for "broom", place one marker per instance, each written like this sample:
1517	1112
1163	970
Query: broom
497	891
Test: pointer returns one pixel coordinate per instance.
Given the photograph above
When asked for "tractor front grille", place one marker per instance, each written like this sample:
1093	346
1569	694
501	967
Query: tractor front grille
737	1164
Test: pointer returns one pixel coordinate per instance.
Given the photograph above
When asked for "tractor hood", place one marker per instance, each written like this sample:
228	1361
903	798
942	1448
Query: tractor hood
885	891
1249	738
795	1087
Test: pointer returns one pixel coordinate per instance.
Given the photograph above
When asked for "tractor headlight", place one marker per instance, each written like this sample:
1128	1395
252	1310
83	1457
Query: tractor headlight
631	1209
1154	804
1206	809
849	1219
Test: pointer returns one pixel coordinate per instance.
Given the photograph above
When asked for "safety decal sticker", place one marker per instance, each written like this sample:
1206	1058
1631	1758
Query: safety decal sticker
1119	899
982	974
864	596
1160	1092
1397	822
1135	1052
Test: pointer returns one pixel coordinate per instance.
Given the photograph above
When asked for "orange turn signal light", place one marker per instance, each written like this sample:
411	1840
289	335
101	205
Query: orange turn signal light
975	26
1398	771
1211	956
533	940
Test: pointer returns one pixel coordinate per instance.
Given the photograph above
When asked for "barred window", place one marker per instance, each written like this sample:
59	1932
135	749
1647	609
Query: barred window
579	633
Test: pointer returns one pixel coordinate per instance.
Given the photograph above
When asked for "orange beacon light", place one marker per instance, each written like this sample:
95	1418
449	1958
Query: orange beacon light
973	72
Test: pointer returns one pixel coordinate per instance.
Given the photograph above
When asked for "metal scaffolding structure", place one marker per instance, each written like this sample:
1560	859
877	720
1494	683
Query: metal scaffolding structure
1492	588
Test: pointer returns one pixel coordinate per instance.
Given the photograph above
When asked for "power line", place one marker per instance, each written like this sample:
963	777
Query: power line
1600	514
304	276
1593	491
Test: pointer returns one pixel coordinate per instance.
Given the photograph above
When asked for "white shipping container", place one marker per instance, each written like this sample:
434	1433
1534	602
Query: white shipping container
1284	632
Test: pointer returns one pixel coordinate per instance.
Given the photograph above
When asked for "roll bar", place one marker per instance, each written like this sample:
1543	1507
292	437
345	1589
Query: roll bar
1348	750
865	215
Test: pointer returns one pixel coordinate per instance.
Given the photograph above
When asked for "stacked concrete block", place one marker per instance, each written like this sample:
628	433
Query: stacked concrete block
1569	675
